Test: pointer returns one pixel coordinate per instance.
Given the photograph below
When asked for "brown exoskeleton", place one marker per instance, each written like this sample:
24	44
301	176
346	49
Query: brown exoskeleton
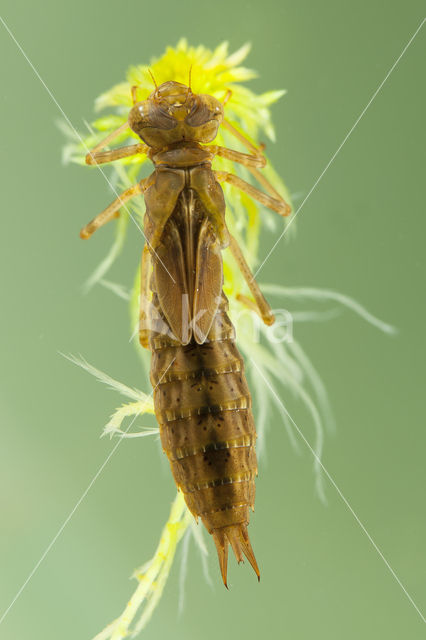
201	398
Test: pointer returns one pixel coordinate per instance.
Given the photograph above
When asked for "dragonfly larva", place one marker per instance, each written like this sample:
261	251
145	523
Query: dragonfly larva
201	398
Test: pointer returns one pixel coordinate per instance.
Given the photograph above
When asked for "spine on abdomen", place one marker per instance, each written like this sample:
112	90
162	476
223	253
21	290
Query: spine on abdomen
203	407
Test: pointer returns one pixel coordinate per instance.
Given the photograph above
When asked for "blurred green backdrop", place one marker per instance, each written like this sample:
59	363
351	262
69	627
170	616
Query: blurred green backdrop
361	232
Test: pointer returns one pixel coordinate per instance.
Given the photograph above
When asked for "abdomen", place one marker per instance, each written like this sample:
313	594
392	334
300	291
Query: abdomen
203	406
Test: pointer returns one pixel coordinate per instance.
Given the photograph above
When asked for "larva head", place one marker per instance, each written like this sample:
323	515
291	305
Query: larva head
172	113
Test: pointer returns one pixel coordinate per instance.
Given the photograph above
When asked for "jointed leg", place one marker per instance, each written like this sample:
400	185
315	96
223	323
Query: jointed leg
227	96
236	156
144	298
254	159
112	210
105	142
252	167
100	157
133	91
260	305
245	141
268	186
278	205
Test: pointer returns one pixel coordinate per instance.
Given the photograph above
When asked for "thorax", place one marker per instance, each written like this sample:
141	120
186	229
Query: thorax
184	155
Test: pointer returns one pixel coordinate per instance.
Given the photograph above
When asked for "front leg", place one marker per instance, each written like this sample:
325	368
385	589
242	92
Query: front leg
100	157
105	142
256	152
247	160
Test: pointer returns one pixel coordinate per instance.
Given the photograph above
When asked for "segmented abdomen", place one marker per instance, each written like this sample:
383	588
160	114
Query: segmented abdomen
203	407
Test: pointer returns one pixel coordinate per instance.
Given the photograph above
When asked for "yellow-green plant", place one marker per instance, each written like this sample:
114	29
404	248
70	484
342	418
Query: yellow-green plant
284	366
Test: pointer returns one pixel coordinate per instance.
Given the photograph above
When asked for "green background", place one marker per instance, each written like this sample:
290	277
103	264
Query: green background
361	232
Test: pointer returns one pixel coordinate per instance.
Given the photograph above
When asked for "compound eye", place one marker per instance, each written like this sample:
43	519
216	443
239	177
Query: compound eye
146	114
138	116
199	114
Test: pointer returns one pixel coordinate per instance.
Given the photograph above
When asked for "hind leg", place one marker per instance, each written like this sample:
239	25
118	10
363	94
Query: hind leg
146	265
259	304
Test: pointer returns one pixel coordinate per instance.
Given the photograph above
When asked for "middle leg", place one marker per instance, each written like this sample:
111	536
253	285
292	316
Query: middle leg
278	205
112	210
256	151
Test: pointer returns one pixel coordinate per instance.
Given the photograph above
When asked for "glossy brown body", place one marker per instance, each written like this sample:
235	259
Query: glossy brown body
201	398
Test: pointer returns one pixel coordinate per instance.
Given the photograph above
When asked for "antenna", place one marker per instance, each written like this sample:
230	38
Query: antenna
189	78
153	79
